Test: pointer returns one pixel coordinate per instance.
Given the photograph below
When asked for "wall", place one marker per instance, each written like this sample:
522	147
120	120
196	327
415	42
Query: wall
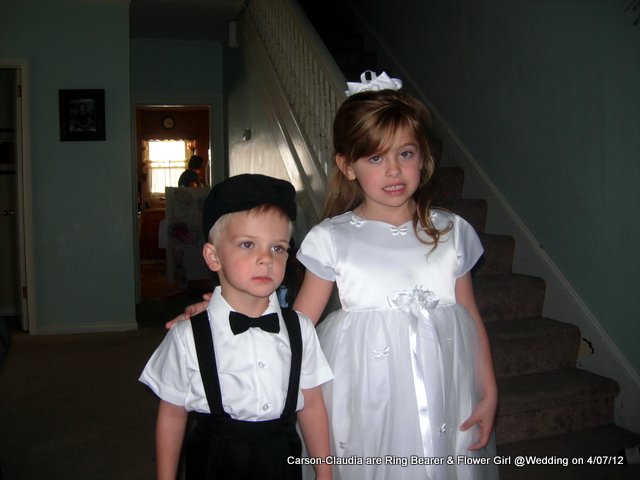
261	153
253	147
262	133
83	224
167	72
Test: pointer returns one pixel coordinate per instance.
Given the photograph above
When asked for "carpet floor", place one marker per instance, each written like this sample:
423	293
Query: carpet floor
71	407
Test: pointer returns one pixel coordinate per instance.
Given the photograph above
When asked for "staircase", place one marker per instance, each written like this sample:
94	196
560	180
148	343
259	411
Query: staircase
547	407
541	391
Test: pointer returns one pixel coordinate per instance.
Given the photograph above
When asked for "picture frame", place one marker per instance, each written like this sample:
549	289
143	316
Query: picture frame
81	115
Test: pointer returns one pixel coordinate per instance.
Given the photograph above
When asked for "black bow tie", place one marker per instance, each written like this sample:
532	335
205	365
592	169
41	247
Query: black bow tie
241	323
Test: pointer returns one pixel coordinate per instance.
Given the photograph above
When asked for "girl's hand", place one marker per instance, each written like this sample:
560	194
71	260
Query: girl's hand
483	415
191	310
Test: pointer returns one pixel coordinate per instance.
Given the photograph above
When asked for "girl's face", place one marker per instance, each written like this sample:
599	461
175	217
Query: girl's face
388	179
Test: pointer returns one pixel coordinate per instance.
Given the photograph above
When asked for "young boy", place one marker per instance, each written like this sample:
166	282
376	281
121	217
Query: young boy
242	378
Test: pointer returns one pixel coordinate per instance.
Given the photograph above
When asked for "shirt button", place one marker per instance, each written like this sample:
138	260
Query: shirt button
261	364
265	407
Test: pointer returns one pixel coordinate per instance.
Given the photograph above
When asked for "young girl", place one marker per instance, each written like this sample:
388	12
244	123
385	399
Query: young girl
414	394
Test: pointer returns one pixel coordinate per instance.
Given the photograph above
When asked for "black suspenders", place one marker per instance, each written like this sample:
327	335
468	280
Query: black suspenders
295	341
209	372
207	362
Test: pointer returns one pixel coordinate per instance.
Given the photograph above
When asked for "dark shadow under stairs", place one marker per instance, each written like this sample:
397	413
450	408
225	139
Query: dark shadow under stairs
548	408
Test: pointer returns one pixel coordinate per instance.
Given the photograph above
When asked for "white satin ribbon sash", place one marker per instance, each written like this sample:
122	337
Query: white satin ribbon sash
425	364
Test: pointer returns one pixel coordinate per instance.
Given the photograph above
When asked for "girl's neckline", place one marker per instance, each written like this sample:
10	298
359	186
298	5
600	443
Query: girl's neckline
362	218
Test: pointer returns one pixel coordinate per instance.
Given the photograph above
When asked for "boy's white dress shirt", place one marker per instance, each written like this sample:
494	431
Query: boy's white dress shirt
253	367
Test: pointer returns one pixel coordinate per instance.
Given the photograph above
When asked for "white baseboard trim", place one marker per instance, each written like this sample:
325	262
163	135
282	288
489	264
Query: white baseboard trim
59	329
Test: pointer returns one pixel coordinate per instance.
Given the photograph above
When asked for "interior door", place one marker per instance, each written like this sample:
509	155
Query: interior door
14	300
10	303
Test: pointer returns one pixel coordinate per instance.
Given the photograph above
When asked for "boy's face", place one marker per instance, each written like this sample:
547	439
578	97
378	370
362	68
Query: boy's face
250	258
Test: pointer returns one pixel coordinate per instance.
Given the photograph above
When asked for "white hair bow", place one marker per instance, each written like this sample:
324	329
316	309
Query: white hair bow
375	83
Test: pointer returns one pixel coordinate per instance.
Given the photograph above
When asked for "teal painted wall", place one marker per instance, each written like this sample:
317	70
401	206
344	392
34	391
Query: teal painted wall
183	72
83	213
170	69
546	97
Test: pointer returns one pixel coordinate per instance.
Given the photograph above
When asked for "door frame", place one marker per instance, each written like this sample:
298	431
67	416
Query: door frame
218	169
24	205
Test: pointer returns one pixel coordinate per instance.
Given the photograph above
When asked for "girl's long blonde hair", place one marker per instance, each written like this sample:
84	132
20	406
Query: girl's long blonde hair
365	124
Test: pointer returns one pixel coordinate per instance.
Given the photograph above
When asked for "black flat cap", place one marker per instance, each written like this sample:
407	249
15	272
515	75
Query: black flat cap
244	192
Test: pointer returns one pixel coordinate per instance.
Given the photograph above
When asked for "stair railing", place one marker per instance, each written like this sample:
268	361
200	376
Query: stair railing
313	83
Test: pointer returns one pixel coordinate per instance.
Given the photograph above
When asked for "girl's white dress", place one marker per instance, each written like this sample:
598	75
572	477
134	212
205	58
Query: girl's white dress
402	350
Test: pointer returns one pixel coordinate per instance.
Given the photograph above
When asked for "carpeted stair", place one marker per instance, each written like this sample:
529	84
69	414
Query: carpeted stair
545	402
546	405
541	391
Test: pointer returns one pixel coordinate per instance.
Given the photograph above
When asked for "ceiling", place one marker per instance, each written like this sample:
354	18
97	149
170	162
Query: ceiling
183	19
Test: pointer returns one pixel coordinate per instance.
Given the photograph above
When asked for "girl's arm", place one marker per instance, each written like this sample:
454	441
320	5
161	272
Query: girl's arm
170	427
314	426
485	412
190	311
313	296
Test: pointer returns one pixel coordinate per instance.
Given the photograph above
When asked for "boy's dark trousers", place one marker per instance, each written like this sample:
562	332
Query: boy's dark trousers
220	447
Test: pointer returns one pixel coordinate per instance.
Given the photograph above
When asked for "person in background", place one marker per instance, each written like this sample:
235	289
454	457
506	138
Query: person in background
191	176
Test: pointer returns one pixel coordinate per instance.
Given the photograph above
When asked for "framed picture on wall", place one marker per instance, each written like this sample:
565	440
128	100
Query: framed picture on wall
81	115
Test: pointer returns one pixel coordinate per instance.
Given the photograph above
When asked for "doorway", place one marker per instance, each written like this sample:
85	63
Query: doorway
170	124
15	239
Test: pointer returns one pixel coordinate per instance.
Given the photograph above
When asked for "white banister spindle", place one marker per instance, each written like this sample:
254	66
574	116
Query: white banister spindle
307	72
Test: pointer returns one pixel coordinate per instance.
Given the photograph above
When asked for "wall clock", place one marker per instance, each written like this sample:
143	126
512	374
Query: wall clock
168	122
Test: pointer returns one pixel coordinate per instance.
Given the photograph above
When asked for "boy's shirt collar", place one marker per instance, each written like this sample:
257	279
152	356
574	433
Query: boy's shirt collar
219	309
